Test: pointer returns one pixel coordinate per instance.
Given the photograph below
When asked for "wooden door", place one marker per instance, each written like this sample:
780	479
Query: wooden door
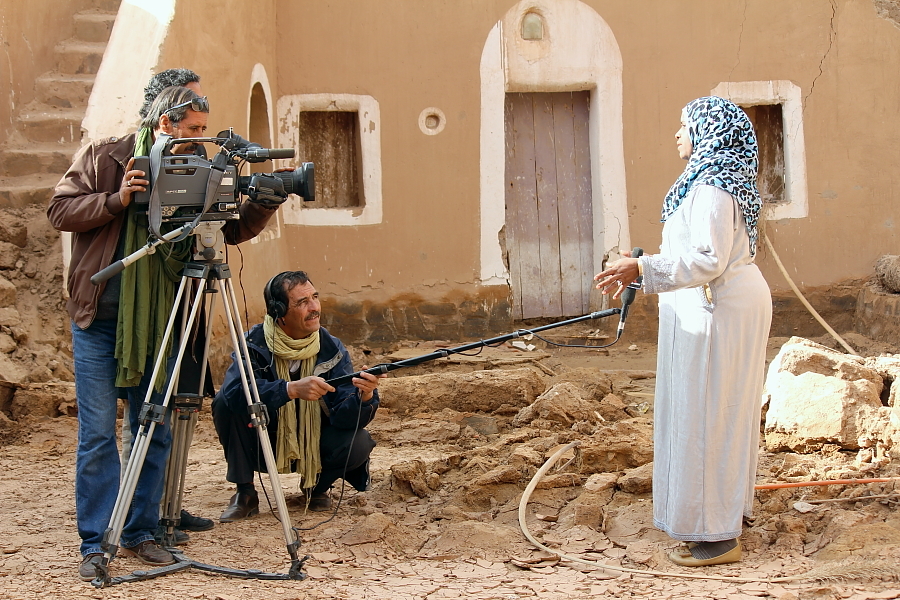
549	215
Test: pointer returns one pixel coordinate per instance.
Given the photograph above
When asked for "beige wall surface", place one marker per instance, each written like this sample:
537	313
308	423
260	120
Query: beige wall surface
29	31
417	267
223	42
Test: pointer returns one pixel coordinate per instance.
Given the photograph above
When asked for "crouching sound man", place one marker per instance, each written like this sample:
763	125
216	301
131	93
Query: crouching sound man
315	429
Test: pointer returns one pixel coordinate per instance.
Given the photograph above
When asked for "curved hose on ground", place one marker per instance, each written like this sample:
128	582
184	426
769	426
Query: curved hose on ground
803	299
532	485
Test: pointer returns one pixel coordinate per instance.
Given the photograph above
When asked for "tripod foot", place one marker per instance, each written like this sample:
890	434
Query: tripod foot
296	570
101	570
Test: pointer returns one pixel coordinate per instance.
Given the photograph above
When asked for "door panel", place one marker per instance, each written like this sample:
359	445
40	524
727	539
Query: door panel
549	223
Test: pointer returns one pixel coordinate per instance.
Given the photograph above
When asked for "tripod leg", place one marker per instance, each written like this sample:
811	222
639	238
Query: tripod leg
151	414
260	422
184	422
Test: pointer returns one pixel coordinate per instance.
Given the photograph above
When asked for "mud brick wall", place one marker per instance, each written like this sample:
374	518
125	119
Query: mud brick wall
415	318
878	313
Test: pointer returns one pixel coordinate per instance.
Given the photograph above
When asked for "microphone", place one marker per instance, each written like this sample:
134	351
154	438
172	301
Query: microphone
262	154
629	294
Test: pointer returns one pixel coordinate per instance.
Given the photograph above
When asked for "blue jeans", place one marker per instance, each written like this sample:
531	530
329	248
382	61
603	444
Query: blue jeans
97	465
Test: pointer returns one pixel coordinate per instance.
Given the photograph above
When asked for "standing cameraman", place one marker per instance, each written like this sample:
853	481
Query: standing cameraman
114	349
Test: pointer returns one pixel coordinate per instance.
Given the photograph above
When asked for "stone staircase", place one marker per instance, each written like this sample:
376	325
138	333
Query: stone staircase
48	130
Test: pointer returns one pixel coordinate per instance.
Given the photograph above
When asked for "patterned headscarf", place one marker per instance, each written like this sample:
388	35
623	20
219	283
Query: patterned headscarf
725	156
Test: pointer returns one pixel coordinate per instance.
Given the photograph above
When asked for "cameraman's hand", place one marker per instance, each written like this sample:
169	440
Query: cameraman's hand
367	383
308	388
131	183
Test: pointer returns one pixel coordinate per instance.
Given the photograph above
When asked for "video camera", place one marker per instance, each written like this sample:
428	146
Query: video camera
186	186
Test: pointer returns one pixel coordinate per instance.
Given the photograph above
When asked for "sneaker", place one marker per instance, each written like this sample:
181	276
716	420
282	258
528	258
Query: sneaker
191	523
150	553
86	571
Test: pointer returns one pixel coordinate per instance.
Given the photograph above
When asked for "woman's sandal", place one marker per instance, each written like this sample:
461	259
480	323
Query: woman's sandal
683	556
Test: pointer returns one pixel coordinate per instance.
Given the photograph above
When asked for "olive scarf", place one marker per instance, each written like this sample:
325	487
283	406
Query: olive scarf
299	421
147	292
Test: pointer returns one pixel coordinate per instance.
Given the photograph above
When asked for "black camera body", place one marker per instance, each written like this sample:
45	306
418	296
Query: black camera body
189	185
182	181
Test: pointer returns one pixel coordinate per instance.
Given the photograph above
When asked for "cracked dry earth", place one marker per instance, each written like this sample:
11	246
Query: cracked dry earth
440	520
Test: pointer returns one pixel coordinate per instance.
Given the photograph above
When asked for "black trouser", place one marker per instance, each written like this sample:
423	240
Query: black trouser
339	448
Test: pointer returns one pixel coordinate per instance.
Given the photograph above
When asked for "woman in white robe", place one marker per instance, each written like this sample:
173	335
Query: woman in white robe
715	311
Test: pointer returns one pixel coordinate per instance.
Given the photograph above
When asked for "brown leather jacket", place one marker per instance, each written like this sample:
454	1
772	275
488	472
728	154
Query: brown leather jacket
86	202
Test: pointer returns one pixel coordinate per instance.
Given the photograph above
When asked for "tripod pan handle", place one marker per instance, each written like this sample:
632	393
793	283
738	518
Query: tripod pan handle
113	269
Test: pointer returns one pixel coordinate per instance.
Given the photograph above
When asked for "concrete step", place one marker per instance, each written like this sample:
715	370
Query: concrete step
18	192
60	125
36	158
79	58
91	26
64	91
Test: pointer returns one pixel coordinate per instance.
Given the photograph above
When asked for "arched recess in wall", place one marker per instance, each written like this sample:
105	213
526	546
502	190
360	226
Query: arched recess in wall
260	129
556	60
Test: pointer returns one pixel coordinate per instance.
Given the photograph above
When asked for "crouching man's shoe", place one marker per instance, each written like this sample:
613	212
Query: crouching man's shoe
319	502
181	537
150	553
241	506
191	522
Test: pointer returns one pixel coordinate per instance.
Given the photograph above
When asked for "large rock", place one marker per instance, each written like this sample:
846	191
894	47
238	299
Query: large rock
887	270
595	383
11	371
48	399
7	292
819	396
478	391
889	369
9	255
13	231
618	446
563	403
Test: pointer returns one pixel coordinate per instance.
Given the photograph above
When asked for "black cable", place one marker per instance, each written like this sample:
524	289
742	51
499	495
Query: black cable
343	476
573	345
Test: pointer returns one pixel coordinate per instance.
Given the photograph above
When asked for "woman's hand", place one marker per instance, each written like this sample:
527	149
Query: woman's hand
618	275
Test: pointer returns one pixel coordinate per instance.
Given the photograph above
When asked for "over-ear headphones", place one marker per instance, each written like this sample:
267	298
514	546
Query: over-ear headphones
275	307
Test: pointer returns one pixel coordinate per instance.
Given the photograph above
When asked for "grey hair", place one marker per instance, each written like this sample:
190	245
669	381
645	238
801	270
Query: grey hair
169	97
161	81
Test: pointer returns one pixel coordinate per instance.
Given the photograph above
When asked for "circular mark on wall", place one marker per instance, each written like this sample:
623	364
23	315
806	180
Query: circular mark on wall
432	121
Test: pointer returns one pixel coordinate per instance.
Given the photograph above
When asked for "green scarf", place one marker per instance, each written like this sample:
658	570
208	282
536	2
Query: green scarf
147	292
299	421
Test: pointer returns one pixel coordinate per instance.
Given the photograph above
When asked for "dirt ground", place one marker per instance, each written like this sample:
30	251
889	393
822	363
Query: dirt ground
441	518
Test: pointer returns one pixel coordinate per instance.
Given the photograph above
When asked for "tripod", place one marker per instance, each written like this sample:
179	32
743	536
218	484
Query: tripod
212	275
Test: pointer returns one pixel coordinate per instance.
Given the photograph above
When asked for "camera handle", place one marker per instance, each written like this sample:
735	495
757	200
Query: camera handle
148	248
154	211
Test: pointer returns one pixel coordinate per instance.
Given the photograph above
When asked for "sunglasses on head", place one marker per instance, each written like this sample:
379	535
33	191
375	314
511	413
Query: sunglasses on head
197	104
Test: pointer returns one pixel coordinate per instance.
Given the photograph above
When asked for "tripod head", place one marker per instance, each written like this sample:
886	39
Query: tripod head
209	246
